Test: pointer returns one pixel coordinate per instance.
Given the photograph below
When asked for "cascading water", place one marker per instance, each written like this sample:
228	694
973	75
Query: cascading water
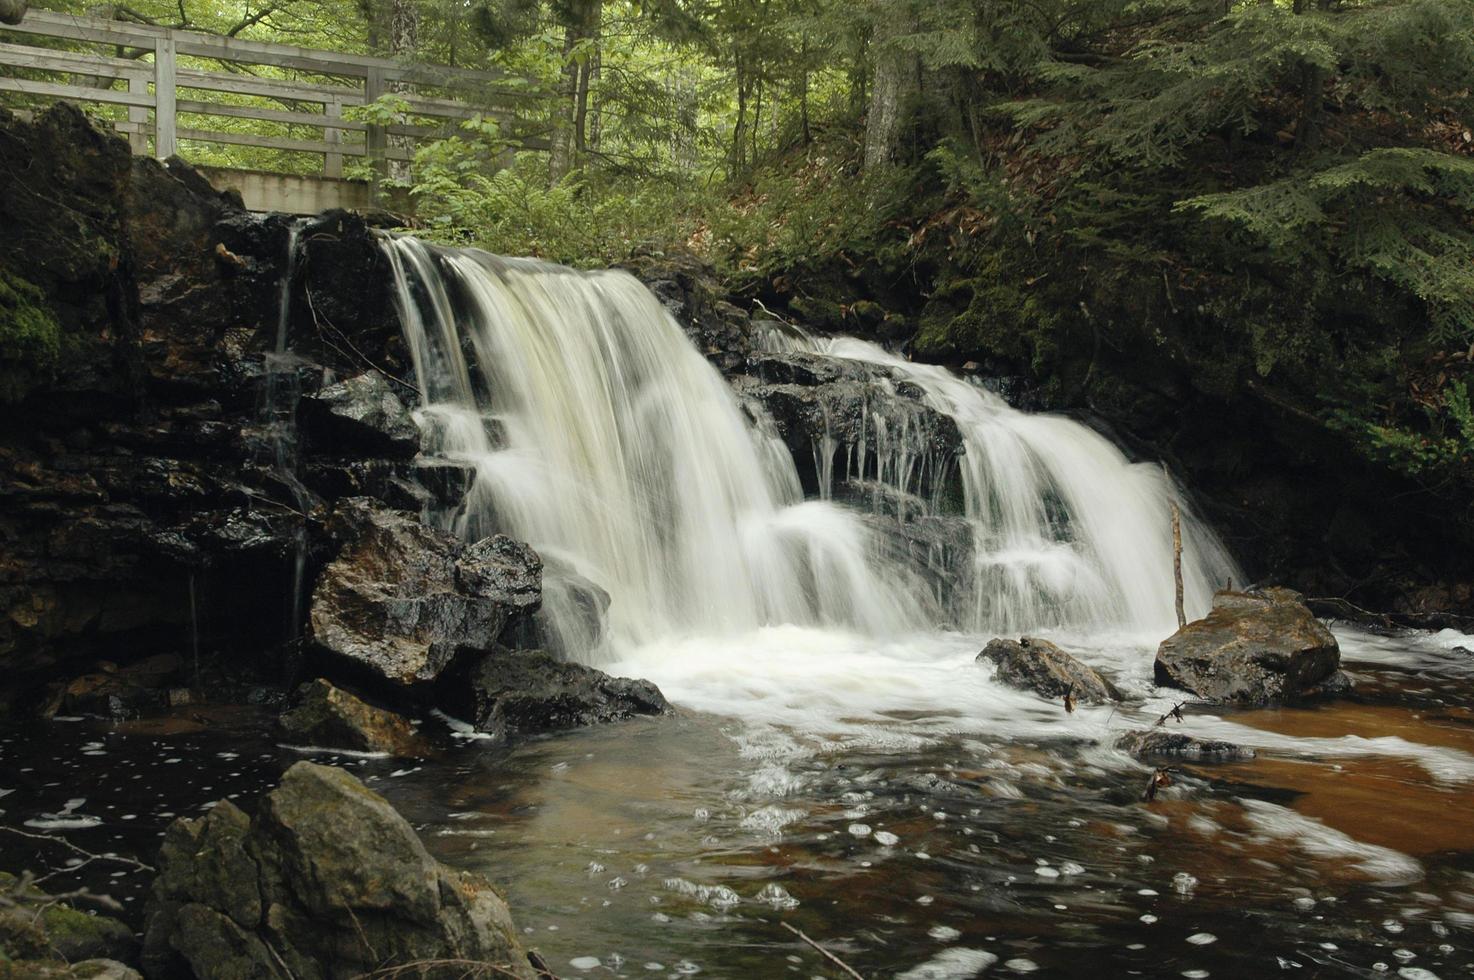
603	438
600	435
279	412
1066	532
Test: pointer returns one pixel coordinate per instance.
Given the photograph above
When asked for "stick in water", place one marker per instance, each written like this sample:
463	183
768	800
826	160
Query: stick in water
828	955
1176	552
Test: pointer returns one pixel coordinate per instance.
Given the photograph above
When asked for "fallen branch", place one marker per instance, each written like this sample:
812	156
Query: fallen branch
23	893
824	952
1175	713
469	968
87	856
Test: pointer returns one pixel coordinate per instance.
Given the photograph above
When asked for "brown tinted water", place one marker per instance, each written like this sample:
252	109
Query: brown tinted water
679	846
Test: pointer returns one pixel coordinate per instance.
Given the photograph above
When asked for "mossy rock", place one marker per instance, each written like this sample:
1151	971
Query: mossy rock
30	337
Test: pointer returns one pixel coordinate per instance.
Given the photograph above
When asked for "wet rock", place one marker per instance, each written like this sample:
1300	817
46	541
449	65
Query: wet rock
580	605
523	692
1157	743
402	599
1252	647
362	416
326	882
323	715
115	692
1032	664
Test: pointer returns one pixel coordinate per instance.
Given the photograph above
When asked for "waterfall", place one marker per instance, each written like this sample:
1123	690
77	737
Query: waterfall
279	412
1066	532
600	435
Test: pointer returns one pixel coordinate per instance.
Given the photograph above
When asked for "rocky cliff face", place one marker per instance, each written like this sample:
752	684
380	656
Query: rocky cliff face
195	400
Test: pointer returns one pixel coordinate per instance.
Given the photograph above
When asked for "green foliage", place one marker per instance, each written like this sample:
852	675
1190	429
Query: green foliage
29	333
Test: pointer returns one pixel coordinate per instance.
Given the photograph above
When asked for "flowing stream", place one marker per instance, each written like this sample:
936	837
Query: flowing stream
601	436
839	763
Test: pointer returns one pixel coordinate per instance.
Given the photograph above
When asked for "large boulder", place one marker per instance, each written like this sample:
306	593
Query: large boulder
1252	647
321	715
511	693
326	882
1032	664
362	415
402	599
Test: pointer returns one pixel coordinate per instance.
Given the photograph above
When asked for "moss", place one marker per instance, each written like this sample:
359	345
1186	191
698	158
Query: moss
31	339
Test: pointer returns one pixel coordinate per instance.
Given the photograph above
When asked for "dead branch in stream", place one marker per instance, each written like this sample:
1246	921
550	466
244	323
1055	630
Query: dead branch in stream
87	856
824	952
22	893
1158	780
1176	551
469	969
1175	713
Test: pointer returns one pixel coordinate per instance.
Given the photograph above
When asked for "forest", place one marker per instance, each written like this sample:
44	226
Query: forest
1273	199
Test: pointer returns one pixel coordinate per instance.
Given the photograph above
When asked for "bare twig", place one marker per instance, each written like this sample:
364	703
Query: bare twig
87	856
827	955
471	968
320	322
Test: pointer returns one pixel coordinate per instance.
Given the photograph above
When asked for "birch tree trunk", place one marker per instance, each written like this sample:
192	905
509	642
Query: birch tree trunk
404	41
894	86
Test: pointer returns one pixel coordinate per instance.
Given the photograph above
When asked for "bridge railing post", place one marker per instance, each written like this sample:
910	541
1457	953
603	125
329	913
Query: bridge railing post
138	115
377	140
165	93
332	161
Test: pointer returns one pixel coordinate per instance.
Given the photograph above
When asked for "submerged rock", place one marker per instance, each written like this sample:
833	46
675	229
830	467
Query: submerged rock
322	715
1253	647
1032	664
402	599
327	881
1156	743
524	692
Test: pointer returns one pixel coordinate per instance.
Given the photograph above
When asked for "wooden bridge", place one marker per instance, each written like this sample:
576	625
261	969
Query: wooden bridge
304	88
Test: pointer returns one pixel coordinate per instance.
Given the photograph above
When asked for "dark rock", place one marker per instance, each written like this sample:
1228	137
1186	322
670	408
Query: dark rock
362	416
1158	743
581	608
115	692
1032	664
1252	647
402	599
322	715
327	882
511	693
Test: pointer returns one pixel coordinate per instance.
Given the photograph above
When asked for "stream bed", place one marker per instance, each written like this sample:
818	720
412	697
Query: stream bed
891	803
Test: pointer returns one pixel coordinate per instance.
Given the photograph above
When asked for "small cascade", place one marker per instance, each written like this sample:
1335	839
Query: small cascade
600	435
1065	531
283	390
194	627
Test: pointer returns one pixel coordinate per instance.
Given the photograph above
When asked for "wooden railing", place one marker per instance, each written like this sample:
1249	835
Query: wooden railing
152	88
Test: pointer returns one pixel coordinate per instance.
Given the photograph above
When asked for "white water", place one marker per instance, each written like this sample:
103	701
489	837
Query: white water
601	435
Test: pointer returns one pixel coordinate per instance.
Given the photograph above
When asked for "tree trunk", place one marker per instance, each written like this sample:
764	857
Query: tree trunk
737	164
404	41
893	88
570	115
11	11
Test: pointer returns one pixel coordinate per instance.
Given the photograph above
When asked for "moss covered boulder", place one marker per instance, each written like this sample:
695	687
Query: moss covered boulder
326	882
